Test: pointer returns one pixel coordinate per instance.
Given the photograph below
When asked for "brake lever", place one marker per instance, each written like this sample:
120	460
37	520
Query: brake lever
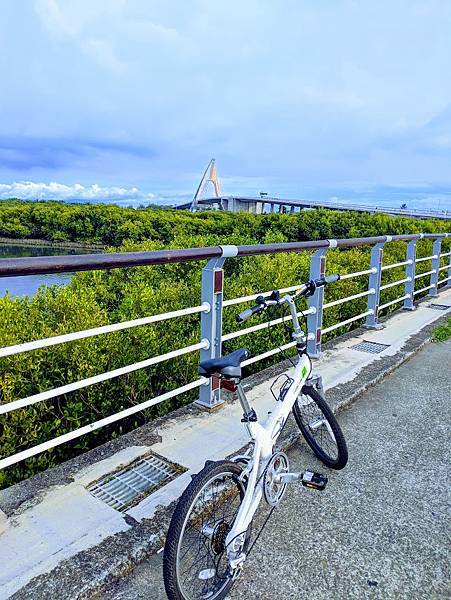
311	287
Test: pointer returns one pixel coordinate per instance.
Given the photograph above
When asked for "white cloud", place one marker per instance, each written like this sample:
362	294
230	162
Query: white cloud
103	53
323	92
29	190
147	31
53	18
72	18
74	21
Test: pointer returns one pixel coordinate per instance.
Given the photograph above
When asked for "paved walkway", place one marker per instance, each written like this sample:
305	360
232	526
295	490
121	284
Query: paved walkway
380	528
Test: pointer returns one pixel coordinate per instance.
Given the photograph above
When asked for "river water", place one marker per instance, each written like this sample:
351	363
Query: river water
28	285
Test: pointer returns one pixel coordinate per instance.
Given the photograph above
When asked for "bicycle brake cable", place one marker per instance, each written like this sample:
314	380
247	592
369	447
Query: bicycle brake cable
241	533
253	543
270	333
286	329
264	524
261	529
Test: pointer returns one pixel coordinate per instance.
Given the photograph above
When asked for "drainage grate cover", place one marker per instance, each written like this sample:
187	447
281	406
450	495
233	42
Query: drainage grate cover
371	347
439	306
130	485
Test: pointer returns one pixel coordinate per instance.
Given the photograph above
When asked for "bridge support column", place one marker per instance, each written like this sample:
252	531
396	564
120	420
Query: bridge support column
436	249
409	286
315	320
377	253
211	324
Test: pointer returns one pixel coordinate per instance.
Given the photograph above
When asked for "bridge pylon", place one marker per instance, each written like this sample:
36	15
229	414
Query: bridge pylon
210	176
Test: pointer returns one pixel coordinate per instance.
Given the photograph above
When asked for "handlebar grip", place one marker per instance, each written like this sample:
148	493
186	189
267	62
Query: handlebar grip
325	280
332	278
244	316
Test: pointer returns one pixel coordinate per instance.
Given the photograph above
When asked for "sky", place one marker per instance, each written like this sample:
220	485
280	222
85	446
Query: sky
129	99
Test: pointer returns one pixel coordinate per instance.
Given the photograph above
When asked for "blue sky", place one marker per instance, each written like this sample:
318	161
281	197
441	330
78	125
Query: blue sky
119	99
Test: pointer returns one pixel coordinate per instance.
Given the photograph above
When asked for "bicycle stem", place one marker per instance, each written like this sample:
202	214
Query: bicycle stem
298	334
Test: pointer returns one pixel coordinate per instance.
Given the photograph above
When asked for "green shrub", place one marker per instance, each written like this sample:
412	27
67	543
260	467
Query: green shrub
97	298
442	332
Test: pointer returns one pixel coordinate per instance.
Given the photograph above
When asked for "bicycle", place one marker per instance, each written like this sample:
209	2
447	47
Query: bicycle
210	531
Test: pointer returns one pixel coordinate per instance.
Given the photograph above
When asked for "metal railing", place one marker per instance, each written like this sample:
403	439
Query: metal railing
211	311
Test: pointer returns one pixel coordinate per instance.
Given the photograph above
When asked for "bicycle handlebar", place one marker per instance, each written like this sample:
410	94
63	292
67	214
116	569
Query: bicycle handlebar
308	289
246	314
328	279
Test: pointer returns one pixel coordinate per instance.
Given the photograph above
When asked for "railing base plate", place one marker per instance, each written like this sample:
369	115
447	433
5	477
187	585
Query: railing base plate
209	407
376	326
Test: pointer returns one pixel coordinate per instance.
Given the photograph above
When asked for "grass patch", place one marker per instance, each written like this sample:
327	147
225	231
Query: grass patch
442	332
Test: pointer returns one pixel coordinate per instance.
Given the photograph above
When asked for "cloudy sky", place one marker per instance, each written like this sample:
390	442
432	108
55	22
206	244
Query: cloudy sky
120	99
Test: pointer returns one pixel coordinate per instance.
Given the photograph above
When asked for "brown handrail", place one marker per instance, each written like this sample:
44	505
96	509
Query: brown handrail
40	265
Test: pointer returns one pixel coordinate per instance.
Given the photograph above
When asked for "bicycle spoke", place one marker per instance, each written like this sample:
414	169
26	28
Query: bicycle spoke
202	563
311	415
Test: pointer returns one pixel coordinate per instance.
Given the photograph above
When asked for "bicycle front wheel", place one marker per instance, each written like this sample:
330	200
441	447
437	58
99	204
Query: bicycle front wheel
320	428
195	564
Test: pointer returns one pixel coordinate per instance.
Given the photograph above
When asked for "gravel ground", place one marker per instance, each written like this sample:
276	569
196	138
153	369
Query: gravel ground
380	530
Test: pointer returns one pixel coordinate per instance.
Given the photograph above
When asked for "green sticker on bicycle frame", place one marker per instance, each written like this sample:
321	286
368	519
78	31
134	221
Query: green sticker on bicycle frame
304	371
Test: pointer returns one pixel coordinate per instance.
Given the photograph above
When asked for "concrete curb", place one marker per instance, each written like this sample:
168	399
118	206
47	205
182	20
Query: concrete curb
87	573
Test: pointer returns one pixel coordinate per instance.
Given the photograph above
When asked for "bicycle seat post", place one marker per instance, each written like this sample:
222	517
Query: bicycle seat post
249	413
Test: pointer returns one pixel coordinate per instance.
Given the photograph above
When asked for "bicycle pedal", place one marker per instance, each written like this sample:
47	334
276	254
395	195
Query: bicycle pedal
314	481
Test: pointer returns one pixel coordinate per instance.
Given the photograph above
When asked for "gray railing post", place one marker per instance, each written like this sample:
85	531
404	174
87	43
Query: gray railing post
377	253
409	286
436	249
315	319
211	323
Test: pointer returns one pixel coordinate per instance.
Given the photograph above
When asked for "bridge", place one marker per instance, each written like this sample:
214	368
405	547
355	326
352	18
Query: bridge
267	205
72	531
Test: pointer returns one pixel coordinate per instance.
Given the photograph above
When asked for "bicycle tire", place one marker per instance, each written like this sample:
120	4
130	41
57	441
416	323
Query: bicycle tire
304	419
175	588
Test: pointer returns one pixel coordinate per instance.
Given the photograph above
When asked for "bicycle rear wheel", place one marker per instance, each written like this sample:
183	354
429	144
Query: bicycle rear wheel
320	428
195	564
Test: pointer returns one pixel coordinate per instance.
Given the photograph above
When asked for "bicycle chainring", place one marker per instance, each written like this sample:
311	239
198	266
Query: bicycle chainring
274	490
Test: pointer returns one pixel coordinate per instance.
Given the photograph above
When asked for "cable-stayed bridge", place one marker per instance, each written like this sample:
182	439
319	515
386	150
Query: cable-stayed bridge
265	205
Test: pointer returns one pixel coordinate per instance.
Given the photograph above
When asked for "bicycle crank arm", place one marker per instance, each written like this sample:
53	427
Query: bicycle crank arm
287	477
309	479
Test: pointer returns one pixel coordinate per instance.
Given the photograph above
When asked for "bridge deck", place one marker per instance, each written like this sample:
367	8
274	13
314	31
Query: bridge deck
269	204
379	530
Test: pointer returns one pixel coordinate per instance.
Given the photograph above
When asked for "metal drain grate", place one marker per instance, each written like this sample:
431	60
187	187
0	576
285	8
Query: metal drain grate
130	485
371	347
439	306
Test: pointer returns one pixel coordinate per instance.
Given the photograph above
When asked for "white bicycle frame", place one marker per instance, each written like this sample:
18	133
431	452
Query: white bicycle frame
264	437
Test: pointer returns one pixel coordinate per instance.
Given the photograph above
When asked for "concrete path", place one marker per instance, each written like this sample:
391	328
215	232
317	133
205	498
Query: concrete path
380	528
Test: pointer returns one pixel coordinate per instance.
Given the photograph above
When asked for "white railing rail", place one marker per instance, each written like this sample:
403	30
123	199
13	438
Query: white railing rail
87	333
211	310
